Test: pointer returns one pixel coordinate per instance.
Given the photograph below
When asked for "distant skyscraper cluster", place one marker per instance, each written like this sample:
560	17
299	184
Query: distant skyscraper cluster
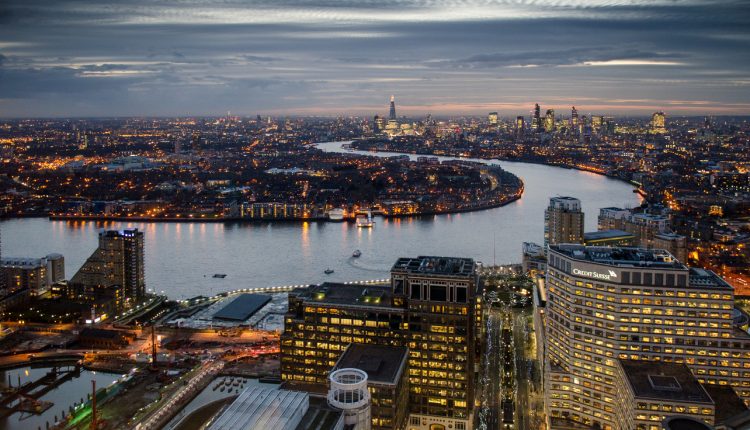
580	127
393	127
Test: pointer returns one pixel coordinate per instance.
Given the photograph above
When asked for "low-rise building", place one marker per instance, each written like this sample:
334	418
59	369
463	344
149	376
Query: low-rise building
650	392
387	381
36	274
609	238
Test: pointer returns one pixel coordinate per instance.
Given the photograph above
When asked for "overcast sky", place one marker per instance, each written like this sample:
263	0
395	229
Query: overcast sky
336	57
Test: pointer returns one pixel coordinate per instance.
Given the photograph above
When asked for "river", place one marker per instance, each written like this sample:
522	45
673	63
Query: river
70	393
182	257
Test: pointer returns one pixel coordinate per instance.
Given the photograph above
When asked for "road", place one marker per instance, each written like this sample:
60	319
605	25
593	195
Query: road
20	360
498	379
489	413
528	391
193	384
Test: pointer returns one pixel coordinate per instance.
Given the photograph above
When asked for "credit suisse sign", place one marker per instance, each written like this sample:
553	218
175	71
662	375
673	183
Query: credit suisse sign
610	276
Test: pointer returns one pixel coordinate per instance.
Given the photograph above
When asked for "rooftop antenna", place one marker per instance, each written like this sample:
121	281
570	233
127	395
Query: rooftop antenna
93	404
153	348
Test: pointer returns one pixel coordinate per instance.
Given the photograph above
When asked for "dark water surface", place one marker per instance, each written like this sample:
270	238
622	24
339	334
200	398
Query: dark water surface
182	257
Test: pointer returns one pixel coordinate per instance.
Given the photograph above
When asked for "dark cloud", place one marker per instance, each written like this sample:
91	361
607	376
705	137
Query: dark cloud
209	56
562	57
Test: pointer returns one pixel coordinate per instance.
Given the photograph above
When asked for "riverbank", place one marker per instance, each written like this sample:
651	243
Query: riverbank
487	197
104	218
600	172
181	257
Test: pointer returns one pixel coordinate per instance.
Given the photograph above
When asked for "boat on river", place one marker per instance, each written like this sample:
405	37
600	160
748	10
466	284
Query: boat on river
365	220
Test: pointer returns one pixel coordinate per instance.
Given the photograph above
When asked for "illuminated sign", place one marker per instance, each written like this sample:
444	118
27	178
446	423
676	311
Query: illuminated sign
596	275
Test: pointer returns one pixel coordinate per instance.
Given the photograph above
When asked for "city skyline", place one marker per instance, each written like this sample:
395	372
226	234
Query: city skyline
68	59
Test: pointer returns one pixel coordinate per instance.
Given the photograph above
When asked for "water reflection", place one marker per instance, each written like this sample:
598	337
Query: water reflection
180	255
69	393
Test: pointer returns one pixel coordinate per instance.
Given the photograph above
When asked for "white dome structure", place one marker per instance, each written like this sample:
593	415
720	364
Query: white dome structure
349	393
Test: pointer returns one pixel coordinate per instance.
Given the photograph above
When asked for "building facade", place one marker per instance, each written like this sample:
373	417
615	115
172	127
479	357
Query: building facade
610	304
608	238
36	274
563	221
649	230
431	307
648	392
114	271
387	381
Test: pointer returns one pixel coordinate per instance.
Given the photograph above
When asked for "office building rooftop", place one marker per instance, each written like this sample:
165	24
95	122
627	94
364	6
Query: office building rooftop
620	256
728	403
663	381
346	294
382	363
703	278
242	307
25	263
565	203
447	266
606	234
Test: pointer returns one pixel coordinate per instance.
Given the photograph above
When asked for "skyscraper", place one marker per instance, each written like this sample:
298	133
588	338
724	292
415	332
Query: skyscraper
614	317
431	306
574	119
549	121
536	120
392	114
583	123
597	121
520	125
658	123
563	221
492	118
114	270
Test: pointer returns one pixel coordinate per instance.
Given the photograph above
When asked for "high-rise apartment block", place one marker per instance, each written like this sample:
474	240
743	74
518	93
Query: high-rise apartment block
563	221
432	307
114	271
614	316
34	274
650	230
